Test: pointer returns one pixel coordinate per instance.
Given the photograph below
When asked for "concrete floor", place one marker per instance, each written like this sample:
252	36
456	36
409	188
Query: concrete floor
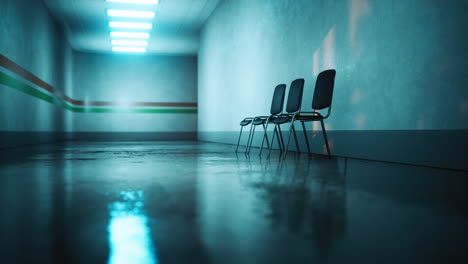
169	202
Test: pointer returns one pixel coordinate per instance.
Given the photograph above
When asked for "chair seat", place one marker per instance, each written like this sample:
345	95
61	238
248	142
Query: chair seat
259	121
281	119
245	122
305	118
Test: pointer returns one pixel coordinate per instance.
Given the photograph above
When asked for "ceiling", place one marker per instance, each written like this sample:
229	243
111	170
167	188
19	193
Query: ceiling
176	26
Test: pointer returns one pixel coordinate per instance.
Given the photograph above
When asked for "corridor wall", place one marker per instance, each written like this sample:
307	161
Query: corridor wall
400	91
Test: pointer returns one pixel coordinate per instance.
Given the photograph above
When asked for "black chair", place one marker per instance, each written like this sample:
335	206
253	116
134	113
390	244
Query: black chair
293	107
276	108
323	95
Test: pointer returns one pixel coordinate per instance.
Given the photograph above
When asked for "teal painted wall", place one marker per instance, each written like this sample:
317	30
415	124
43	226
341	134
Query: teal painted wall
402	73
135	78
401	65
31	38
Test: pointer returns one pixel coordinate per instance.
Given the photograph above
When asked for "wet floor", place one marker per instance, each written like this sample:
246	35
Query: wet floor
189	202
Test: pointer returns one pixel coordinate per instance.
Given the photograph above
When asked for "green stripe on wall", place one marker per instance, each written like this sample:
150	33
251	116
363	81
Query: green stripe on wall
28	89
138	111
25	88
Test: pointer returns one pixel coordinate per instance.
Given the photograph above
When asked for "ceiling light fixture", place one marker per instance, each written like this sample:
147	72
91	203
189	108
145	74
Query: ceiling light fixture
129	49
142	35
141	2
130	13
118	24
122	42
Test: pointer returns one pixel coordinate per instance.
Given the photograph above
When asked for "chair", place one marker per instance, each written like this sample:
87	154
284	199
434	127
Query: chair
276	108
293	107
322	99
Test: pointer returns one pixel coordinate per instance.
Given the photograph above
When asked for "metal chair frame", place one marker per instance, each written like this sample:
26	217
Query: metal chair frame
249	119
277	129
265	136
292	130
312	117
265	119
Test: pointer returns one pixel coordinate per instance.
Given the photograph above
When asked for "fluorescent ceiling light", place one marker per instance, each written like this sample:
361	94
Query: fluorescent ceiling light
118	24
143	35
130	13
141	2
122	42
129	49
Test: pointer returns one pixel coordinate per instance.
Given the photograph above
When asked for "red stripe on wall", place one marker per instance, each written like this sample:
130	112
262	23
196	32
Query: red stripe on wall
27	75
13	67
97	103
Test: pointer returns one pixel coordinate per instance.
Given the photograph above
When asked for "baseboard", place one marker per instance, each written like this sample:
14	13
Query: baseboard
434	148
11	139
20	138
135	136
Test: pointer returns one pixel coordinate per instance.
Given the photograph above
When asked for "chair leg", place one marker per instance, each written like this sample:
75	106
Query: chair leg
249	144
280	135
265	127
272	140
325	137
248	140
289	139
295	139
265	136
238	140
305	136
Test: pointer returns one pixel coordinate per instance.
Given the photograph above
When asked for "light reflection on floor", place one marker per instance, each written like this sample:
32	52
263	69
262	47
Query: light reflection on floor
129	235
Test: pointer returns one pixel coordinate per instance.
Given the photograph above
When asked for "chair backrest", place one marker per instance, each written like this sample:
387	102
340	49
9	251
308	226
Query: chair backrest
295	96
323	93
278	99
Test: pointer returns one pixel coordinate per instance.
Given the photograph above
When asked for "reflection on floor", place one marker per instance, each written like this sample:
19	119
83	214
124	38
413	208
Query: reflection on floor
129	236
189	202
